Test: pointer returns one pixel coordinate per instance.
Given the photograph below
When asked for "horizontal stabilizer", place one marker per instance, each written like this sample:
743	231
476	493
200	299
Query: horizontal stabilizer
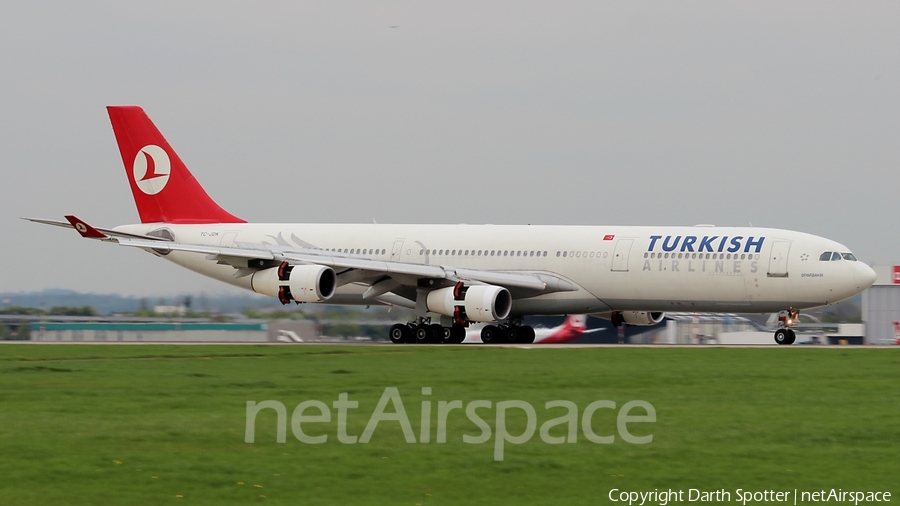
104	231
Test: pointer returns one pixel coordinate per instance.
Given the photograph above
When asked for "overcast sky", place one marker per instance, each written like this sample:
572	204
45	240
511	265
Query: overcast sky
779	114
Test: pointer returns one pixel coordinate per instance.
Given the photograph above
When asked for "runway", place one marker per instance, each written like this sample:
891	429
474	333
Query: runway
521	346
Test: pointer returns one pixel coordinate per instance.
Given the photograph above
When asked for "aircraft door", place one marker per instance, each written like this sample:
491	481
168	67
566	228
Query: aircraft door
620	255
778	259
396	251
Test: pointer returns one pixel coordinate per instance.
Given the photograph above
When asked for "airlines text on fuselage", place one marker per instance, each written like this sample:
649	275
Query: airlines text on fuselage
710	243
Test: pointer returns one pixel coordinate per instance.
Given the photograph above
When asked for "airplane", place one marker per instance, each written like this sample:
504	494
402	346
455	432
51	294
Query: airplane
454	275
571	329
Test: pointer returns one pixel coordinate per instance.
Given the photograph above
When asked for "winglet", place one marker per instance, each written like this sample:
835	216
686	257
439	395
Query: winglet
84	229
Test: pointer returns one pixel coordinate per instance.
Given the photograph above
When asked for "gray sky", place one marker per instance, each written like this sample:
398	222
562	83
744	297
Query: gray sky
783	114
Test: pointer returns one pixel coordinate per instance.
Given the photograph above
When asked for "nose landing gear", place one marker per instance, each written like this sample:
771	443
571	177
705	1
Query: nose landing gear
786	319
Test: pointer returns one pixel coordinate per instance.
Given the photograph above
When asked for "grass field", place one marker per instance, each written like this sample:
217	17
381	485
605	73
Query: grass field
84	424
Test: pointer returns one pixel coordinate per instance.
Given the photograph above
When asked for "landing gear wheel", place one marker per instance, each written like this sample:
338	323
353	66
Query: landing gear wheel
422	334
399	333
791	336
490	334
513	334
437	333
784	336
527	335
457	334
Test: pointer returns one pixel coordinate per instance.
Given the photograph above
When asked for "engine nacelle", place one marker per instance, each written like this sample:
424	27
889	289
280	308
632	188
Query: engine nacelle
636	318
480	303
301	283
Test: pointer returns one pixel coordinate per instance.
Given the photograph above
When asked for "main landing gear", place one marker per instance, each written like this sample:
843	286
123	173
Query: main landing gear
786	319
507	334
422	331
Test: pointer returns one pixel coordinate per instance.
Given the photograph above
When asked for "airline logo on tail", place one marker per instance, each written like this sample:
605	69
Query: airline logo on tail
151	169
153	166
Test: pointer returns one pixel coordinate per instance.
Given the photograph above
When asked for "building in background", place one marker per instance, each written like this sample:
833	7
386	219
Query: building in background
881	305
92	332
703	328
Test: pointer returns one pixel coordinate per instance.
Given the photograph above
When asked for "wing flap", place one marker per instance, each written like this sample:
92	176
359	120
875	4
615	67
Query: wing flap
506	279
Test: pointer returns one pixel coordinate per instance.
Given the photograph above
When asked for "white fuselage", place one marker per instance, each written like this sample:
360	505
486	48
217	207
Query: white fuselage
708	269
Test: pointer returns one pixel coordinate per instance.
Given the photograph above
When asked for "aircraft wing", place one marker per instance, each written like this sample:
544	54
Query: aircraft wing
246	257
246	251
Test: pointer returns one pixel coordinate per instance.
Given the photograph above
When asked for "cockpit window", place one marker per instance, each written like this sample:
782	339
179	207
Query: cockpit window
831	256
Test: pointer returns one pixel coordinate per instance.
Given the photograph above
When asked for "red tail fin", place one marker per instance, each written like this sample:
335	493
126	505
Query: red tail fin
164	189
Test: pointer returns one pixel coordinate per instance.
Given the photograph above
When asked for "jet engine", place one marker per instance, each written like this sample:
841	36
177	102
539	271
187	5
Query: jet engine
637	318
479	303
301	283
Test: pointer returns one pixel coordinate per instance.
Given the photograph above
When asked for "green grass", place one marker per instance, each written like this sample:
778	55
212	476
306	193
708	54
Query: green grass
174	417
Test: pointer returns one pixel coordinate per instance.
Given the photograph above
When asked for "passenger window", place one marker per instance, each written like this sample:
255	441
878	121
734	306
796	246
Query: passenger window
835	256
824	257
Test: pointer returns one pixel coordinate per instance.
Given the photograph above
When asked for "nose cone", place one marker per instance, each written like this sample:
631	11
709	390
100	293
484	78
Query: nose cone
856	278
867	276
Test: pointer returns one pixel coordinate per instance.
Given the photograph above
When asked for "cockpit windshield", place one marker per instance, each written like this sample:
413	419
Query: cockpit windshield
833	256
